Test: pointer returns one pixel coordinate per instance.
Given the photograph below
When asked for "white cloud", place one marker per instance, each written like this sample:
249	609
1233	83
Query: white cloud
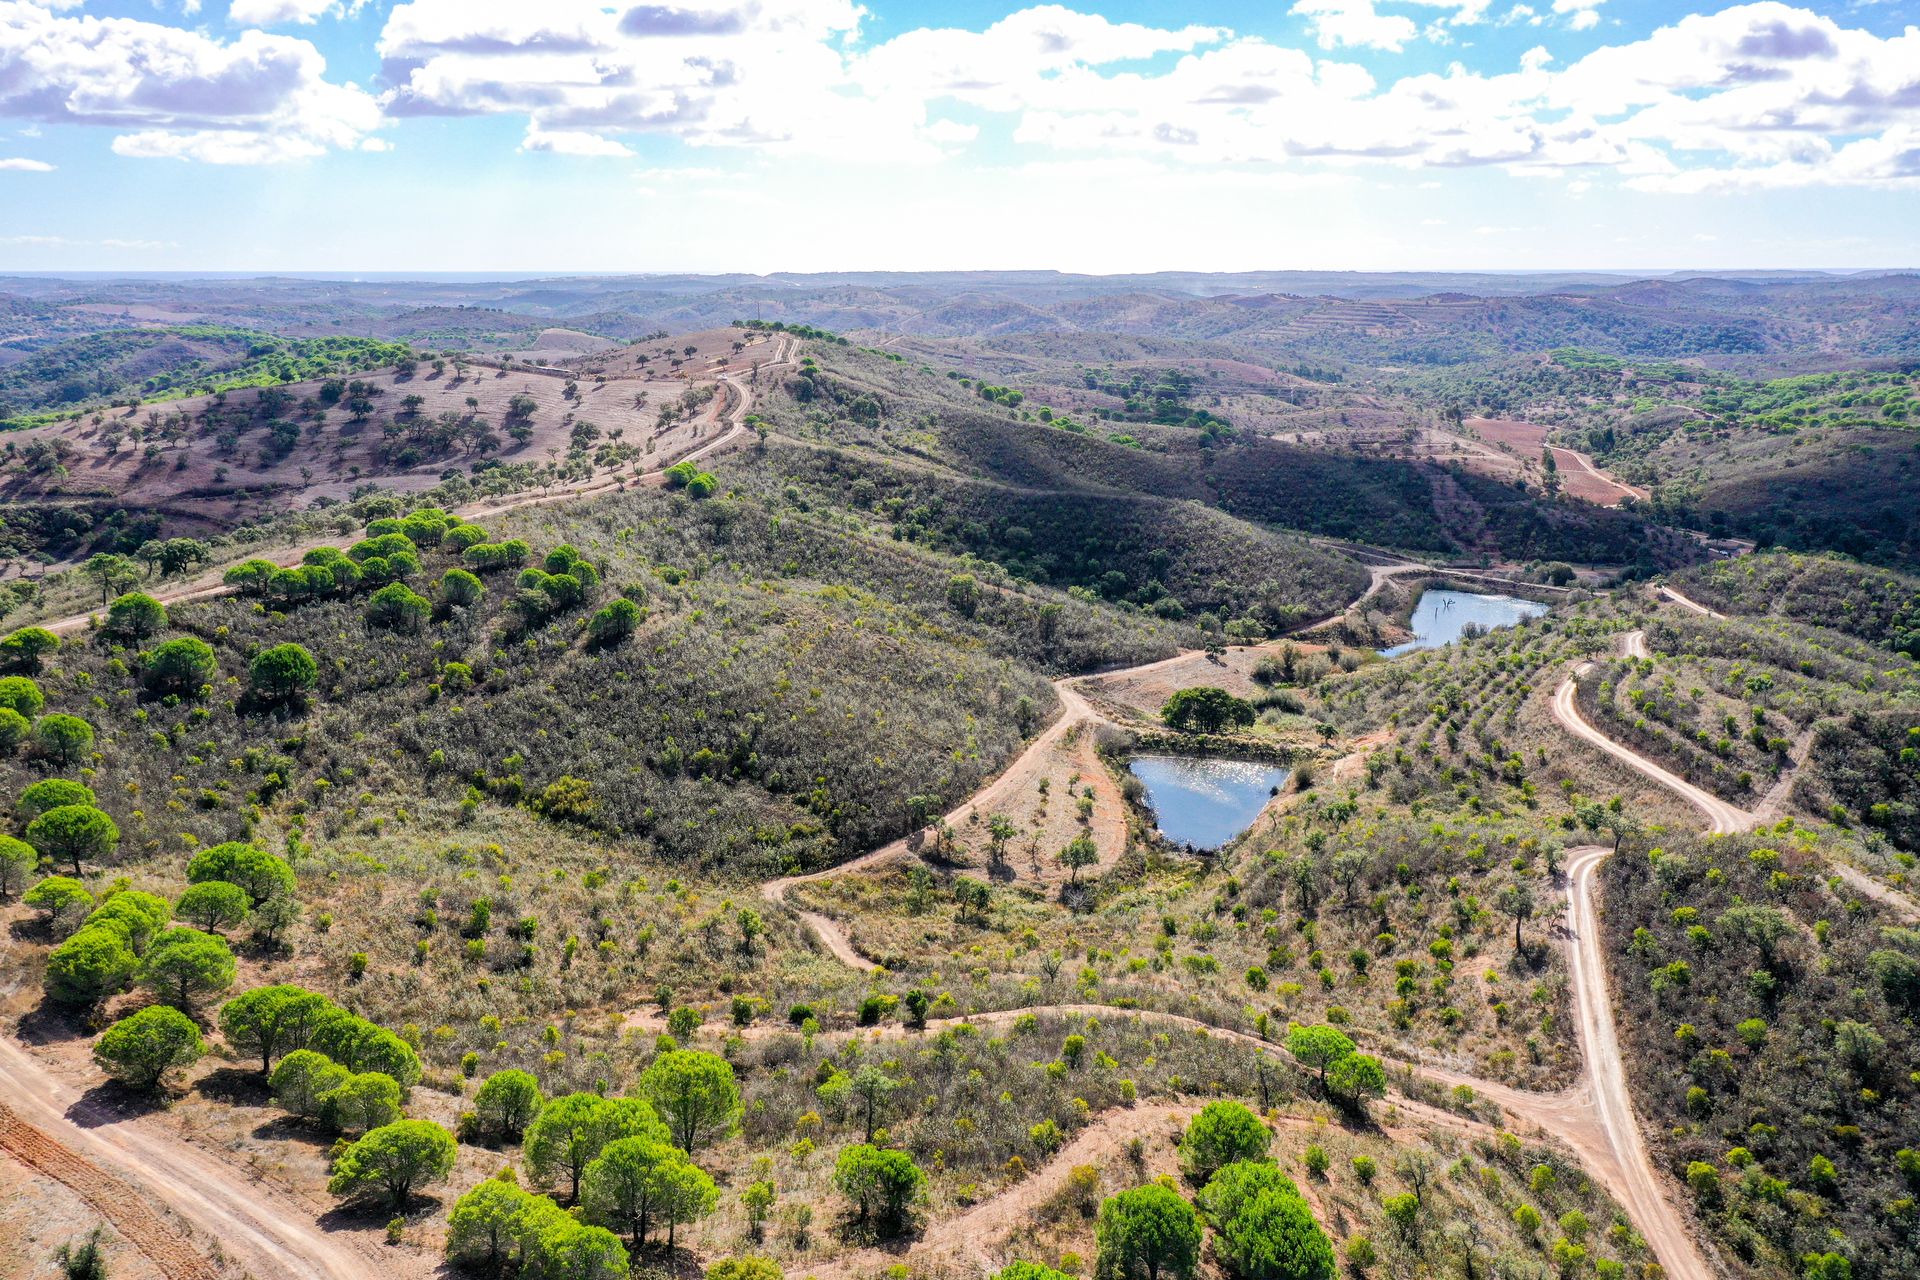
255	99
1356	23
22	165
272	13
570	142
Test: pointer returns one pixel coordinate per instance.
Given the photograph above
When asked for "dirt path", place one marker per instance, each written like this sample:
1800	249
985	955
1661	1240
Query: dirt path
1685	603
75	1142
45	1124
729	410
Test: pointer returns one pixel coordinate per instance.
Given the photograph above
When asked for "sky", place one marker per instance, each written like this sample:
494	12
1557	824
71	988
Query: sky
1096	136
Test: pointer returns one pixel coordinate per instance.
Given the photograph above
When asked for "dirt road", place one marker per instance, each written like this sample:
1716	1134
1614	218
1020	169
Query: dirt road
730	410
64	1137
271	1233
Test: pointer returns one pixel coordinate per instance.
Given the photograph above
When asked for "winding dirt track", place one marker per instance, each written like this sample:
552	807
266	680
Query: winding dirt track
730	410
124	1166
1595	1117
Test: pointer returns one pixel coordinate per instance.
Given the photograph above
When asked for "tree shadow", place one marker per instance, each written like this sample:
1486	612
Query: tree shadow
235	1086
50	1023
374	1214
111	1102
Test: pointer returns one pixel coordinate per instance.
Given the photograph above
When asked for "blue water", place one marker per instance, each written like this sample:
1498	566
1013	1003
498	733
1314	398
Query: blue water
1441	617
1201	802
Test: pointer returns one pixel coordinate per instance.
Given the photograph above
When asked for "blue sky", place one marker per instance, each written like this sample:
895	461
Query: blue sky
761	135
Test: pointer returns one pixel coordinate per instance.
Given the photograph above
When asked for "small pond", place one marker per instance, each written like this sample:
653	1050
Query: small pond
1205	802
1442	617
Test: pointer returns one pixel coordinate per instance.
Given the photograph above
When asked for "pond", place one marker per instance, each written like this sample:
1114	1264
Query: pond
1204	802
1442	617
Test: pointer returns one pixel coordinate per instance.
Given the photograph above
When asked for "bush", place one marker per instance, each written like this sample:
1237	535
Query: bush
140	1049
22	695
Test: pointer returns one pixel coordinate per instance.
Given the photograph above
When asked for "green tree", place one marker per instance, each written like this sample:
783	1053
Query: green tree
64	738
963	594
1145	1233
14	730
111	572
1516	900
26	648
140	916
614	622
361	1103
555	1247
261	874
506	1104
18	861
883	1185
136	616
74	833
283	672
695	1093
90	966
1079	852
51	793
872	1087
1264	1228
398	607
141	1048
183	666
1318	1048
571	1131
63	898
268	1021
22	694
1354	1079
302	1081
1207	709
461	590
486	1223
621	1187
185	964
1223	1133
394	1159
214	905
686	1194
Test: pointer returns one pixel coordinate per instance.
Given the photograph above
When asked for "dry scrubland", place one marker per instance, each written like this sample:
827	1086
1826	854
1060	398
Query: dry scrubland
525	827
